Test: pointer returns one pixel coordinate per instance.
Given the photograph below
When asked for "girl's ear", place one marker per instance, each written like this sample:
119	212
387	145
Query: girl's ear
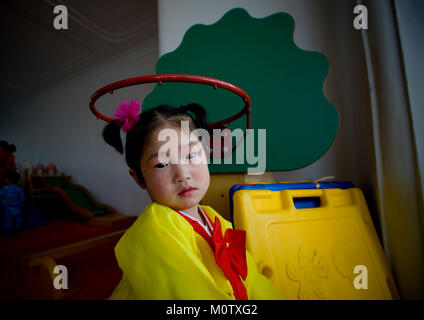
133	174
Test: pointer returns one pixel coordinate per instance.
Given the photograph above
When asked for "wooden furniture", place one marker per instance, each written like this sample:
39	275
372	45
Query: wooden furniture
27	261
80	234
77	198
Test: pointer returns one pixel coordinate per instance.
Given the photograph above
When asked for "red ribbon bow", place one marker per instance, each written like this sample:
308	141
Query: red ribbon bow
230	255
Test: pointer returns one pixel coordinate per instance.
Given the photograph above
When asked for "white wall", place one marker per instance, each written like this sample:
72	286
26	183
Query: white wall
56	125
411	27
400	203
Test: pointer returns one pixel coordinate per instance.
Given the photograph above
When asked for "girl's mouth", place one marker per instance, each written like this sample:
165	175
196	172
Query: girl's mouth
187	191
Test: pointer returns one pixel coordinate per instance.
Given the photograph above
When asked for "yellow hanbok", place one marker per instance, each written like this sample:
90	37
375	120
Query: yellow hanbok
162	257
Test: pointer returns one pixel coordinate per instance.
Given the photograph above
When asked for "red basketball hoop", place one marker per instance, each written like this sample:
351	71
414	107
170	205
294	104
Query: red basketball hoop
160	78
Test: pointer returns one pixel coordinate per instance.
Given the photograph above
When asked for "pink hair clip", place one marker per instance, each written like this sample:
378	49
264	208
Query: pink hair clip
127	114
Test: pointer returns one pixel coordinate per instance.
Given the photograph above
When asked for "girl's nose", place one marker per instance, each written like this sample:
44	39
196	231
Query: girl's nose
181	173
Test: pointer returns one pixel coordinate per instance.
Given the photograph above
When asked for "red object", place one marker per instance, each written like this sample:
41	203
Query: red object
230	253
159	78
50	167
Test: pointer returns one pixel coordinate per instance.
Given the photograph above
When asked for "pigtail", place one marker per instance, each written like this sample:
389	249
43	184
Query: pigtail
199	112
112	136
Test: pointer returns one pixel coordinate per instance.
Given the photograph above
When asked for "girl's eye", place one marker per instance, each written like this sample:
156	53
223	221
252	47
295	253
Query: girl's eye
191	155
161	165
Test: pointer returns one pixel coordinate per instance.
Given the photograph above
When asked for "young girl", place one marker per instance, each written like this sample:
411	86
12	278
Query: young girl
178	249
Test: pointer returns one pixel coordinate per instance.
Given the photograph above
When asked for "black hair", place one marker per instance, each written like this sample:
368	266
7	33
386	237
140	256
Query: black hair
148	122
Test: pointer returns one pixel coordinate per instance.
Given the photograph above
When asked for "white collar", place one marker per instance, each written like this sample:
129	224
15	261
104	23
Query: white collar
208	227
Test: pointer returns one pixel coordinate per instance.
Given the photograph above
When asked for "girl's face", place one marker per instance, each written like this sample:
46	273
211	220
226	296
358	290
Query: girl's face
175	171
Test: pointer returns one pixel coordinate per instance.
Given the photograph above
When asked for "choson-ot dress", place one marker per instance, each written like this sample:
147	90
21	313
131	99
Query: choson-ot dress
163	255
